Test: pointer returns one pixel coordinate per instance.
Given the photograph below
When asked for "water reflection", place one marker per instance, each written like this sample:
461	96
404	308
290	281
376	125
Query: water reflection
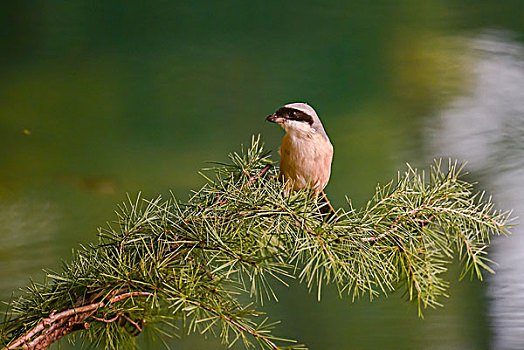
486	127
97	101
27	227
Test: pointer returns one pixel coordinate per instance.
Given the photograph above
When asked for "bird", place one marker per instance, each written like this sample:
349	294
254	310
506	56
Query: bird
306	153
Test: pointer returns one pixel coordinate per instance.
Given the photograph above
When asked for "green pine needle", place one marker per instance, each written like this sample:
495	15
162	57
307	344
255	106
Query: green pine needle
239	234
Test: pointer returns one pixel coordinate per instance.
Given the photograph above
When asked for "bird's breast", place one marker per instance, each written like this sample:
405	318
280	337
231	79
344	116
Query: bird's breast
306	160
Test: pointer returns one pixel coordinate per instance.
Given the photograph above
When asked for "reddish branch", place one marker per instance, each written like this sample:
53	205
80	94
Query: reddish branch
56	325
396	225
332	210
263	173
392	228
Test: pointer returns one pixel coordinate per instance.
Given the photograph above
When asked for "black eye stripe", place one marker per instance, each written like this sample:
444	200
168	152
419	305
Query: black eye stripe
293	114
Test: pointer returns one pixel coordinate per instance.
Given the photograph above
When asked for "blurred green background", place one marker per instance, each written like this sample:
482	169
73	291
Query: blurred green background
99	99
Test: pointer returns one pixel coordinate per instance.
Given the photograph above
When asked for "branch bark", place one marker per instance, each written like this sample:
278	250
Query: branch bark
57	325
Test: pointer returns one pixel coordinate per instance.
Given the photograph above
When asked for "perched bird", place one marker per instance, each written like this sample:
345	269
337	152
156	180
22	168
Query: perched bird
306	152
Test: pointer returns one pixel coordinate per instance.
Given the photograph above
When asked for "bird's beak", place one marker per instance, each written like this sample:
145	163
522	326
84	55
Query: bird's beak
273	118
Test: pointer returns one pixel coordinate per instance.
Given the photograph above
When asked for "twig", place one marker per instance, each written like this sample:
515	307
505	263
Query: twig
136	229
236	324
262	173
333	211
106	320
117	317
396	224
138	327
392	228
53	320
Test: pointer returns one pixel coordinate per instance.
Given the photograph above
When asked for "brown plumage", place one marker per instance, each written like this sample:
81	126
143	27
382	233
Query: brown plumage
306	152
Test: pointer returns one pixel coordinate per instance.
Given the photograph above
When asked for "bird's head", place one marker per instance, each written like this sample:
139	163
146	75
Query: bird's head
298	117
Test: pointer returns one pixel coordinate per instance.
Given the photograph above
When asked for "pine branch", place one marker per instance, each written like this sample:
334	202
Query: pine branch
72	317
183	265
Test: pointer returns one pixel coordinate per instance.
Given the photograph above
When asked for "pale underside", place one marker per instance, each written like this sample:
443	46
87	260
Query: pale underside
305	157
